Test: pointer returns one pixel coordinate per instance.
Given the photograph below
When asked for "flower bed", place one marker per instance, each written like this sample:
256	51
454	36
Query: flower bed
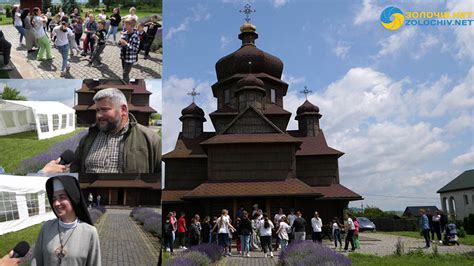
203	254
150	219
36	163
309	253
96	213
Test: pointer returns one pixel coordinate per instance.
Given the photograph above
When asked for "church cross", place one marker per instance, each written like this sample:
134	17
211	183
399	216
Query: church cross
306	91
193	93
247	11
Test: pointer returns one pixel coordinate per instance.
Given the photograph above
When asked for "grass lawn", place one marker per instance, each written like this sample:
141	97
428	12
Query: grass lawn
5	21
166	257
8	241
411	259
468	240
17	147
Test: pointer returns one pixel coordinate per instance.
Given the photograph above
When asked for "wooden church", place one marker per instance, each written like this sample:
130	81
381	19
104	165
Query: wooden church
138	99
252	158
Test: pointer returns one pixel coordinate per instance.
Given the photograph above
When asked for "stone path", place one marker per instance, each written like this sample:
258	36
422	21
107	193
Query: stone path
123	242
29	68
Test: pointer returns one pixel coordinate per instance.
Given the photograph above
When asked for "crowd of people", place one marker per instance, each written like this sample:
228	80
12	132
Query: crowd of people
437	224
255	231
64	32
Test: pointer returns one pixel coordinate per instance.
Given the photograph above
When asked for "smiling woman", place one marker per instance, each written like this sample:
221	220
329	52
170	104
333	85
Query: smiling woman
71	239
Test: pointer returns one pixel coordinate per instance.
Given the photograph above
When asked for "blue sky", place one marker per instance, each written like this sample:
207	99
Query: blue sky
63	90
400	103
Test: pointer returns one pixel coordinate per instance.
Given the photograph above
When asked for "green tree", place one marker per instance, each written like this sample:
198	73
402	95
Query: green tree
373	212
93	3
110	3
46	4
10	93
69	5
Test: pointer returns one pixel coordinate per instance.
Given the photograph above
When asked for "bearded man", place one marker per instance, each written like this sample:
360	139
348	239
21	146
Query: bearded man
116	143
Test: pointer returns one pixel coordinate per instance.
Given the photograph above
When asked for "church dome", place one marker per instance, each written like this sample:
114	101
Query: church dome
238	61
307	107
193	110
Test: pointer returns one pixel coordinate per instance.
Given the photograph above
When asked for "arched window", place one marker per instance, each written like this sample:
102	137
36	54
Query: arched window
452	206
444	205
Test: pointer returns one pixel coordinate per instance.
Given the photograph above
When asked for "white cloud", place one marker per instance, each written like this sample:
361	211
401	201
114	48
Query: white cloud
225	41
199	13
397	41
466	159
341	49
426	44
291	80
280	3
368	12
464	35
459	124
154	86
175	90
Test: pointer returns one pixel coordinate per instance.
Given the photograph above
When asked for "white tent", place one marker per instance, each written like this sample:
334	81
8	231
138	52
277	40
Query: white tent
49	119
23	202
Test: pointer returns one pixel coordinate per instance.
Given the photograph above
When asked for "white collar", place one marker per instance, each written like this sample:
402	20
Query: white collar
69	225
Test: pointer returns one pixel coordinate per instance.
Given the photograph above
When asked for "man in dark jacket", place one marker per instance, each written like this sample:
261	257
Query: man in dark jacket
116	144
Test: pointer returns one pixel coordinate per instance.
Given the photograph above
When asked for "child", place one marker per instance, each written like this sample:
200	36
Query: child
114	23
102	16
129	44
95	59
142	36
91	27
77	27
153	27
56	21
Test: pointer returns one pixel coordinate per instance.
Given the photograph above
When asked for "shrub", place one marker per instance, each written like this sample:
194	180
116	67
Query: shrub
212	251
309	253
153	224
101	209
461	232
95	215
178	261
197	257
139	212
469	224
143	215
399	247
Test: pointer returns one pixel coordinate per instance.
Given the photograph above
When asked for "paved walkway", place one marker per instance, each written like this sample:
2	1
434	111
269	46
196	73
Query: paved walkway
123	242
371	243
29	68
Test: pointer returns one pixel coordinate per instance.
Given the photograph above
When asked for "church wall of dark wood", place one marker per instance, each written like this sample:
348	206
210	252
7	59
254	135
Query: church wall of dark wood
85	98
85	118
142	118
317	170
251	162
279	121
250	123
140	99
185	173
221	121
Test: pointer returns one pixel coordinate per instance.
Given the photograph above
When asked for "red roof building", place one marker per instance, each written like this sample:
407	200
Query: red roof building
252	158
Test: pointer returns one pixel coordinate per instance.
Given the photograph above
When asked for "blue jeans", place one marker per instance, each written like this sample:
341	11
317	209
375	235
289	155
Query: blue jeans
284	244
64	53
112	30
21	30
337	237
245	244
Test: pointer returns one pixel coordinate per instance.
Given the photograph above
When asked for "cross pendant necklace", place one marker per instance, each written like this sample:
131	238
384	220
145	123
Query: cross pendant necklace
61	251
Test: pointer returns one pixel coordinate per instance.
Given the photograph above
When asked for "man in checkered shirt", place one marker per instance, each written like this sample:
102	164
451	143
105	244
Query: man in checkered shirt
116	143
129	43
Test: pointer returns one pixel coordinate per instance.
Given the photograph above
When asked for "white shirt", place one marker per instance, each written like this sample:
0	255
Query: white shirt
223	228
102	17
61	36
18	19
265	231
131	16
350	224
283	234
317	224
38	28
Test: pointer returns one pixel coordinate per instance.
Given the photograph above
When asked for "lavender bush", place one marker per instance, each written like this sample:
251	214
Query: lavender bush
143	215
304	253
95	215
153	224
139	211
135	210
178	261
212	251
36	163
197	257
